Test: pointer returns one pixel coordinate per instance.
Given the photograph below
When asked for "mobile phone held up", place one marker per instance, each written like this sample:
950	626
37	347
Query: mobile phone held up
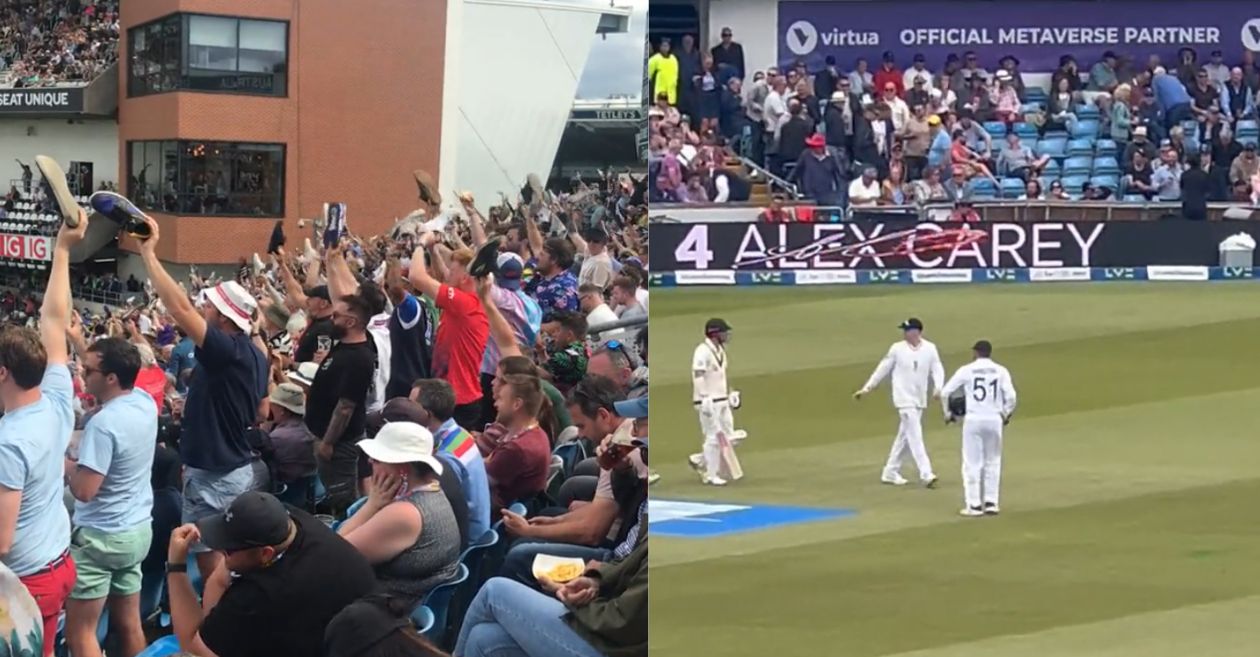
117	208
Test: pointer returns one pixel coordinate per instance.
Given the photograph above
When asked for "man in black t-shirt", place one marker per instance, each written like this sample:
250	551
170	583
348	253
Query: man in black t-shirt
320	307
287	575
1137	176
337	403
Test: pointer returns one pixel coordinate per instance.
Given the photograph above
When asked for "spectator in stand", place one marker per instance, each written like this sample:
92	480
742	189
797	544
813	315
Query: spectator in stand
889	74
727	186
963	81
792	136
628	306
1205	97
1067	71
1010	64
776	115
939	151
1102	77
929	189
1244	167
1166	179
820	172
1238	101
894	191
517	453
1218	72
860	78
1061	106
432	403
1251	70
1137	175
755	96
277	559
919	92
689	62
826	80
956	188
597	264
406	529
971	162
1057	193
1218	174
663	72
707	93
1008	105
944	99
975	137
292	454
837	121
553	284
916	137
865	190
732	115
1172	98
1195	188
565	350
898	111
1121	116
670	182
729	53
1032	191
1139	143
1018	161
462	328
917	70
596	310
1224	149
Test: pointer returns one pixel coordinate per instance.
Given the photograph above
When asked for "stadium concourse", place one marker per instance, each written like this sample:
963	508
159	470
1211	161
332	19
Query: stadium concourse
905	131
429	402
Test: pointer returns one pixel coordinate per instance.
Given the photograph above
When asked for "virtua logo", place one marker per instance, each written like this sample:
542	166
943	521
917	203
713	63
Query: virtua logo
1237	272
1000	275
1126	273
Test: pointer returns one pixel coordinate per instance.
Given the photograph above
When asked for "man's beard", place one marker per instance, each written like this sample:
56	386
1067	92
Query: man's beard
338	332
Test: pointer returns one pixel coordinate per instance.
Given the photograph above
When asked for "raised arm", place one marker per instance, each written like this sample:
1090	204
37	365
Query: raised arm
500	331
55	313
173	297
533	234
475	224
295	296
341	281
419	274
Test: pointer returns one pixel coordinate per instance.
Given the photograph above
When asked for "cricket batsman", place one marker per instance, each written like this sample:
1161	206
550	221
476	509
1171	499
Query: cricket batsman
990	400
910	361
711	398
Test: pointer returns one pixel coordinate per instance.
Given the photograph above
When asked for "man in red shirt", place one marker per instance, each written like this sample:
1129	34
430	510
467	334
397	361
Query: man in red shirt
462	327
889	74
517	463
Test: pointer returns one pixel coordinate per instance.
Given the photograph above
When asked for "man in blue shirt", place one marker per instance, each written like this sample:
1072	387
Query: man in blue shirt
1171	97
938	153
224	394
182	362
114	500
450	440
38	396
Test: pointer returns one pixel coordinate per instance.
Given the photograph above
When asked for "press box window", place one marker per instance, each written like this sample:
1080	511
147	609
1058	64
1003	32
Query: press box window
210	53
213	178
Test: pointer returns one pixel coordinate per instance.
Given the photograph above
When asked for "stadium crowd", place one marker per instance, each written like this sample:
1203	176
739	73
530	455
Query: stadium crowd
352	450
44	43
902	135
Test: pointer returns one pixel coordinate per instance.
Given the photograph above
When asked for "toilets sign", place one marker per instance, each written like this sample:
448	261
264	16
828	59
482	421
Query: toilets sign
50	100
1036	32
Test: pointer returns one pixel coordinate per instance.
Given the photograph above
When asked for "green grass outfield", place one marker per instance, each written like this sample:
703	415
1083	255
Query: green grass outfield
1131	483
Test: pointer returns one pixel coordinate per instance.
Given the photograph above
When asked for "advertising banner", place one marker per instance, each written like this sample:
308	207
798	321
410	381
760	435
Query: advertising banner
51	100
1036	32
933	247
25	247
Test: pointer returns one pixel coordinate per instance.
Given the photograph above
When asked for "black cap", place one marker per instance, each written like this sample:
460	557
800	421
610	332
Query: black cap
595	235
1010	58
319	292
983	348
912	323
716	325
1110	55
889	56
254	519
398	409
360	626
1249	146
486	259
920	57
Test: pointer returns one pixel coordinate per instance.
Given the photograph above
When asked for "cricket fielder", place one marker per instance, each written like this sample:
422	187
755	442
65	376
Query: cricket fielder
711	398
990	401
911	362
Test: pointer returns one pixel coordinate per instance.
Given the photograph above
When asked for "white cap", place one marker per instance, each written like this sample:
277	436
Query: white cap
233	302
402	442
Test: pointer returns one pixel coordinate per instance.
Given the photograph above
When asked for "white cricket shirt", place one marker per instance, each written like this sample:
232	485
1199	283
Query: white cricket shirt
910	368
709	358
987	388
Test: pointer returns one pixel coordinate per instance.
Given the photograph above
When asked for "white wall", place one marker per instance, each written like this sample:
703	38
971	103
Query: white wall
94	141
755	24
519	64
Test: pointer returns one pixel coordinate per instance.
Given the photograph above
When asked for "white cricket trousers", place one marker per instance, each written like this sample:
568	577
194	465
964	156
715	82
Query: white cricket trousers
981	459
909	439
720	421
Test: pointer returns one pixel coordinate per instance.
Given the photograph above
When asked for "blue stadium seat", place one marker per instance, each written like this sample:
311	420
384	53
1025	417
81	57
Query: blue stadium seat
1248	139
1052	169
1080	147
1074	184
1105	147
1134	198
1052	147
438	601
1087	111
423	619
1035	94
996	129
1106	165
1110	181
1056	134
1026	131
572	453
983	189
163	647
1030	107
1085	128
1077	166
1012	187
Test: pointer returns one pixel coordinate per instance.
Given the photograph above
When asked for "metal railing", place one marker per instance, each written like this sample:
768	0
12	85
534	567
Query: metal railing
775	181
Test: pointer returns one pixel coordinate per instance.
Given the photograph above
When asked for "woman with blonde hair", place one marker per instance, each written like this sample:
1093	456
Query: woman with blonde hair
1121	117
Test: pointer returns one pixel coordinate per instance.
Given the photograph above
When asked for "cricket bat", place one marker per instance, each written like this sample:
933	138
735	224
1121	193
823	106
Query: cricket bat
56	179
730	469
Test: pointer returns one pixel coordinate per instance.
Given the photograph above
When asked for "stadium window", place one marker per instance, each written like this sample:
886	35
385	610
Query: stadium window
208	178
197	52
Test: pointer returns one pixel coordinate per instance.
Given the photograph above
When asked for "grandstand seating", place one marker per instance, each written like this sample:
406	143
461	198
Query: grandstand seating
438	601
1012	187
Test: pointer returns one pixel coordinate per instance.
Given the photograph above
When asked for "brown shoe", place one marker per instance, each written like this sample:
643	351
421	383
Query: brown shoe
427	187
56	179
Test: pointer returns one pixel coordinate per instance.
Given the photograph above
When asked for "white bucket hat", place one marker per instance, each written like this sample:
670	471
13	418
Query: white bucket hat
402	442
233	302
305	373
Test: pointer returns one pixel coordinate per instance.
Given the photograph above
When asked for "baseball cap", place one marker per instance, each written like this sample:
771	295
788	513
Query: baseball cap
319	292
934	120
402	442
634	408
716	325
1249	146
360	626
253	519
510	269
919	58
912	323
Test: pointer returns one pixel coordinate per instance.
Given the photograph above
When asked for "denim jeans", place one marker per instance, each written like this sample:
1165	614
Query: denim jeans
519	563
508	619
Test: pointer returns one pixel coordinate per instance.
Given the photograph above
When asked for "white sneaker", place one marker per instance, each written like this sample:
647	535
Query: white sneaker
653	477
696	461
714	481
971	512
991	508
894	480
930	482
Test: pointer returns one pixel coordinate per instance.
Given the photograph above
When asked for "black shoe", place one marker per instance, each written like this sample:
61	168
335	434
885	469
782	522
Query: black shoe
991	509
